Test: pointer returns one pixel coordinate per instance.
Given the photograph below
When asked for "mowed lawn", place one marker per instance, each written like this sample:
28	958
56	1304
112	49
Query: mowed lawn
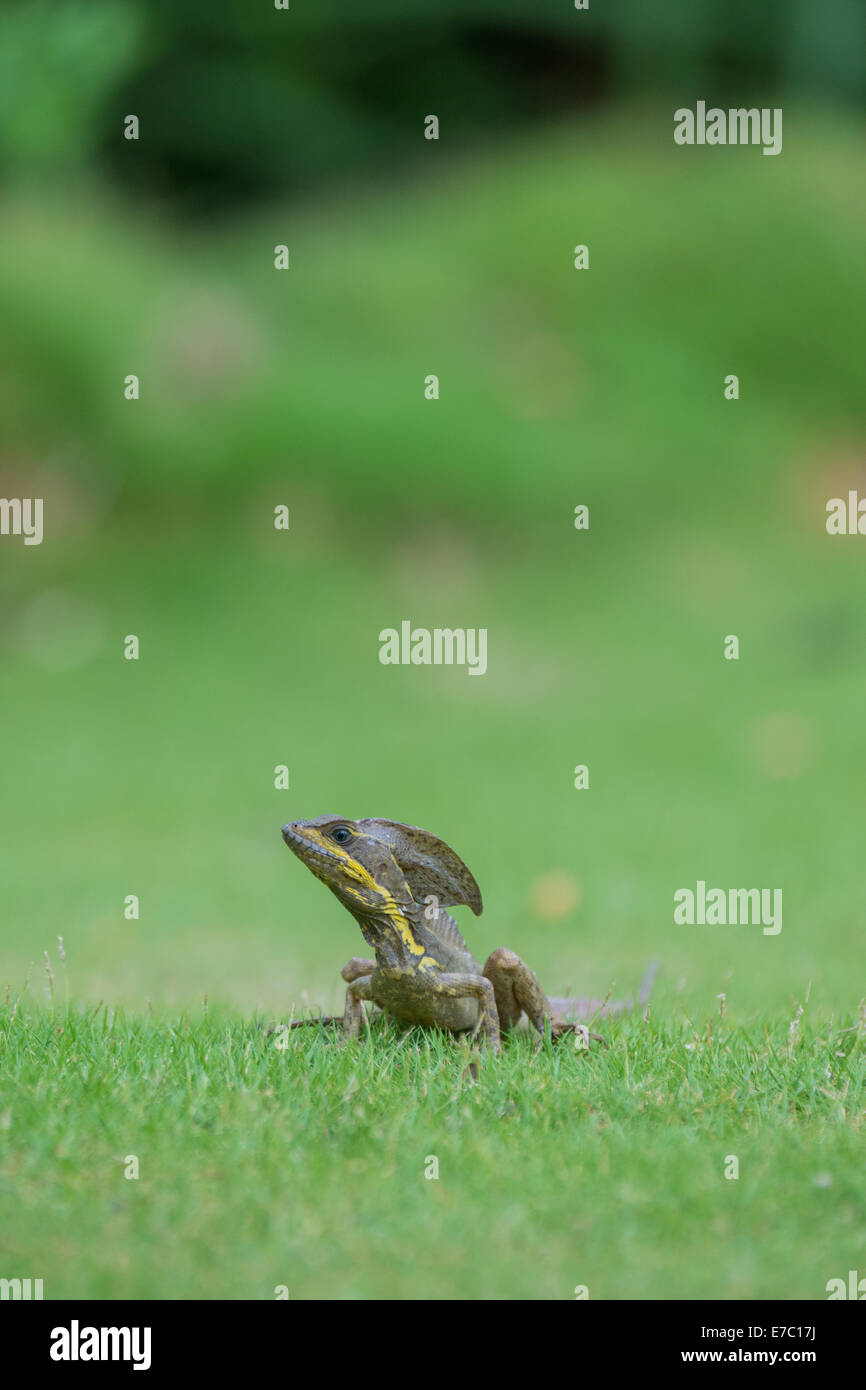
261	1169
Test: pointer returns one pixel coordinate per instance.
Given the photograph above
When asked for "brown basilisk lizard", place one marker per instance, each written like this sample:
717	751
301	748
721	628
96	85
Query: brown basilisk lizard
396	881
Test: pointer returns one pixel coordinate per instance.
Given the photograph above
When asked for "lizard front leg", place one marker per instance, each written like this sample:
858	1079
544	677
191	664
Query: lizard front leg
359	989
355	970
356	967
480	988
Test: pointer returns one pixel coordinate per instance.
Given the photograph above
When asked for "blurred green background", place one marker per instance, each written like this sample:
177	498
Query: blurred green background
306	388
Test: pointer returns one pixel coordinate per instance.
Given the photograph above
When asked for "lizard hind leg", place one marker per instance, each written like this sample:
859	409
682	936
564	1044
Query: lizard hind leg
517	990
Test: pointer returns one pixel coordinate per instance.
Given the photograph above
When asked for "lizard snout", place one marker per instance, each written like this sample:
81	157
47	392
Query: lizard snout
299	840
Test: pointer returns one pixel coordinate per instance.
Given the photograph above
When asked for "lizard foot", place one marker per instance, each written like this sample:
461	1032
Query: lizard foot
325	1019
579	1032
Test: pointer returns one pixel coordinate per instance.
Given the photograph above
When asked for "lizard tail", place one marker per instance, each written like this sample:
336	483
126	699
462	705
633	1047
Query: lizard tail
648	981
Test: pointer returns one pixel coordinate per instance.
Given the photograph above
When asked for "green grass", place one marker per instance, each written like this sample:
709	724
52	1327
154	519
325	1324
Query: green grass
305	1167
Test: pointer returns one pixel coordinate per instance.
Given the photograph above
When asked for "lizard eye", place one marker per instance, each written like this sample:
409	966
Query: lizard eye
341	834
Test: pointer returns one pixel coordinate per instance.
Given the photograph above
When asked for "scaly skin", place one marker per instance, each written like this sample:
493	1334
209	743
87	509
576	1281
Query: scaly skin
395	879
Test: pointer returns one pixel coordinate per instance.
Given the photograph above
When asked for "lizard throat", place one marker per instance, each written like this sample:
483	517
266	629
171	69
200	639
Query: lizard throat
395	940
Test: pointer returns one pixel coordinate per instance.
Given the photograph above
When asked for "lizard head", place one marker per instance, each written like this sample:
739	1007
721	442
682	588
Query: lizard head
357	866
380	869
